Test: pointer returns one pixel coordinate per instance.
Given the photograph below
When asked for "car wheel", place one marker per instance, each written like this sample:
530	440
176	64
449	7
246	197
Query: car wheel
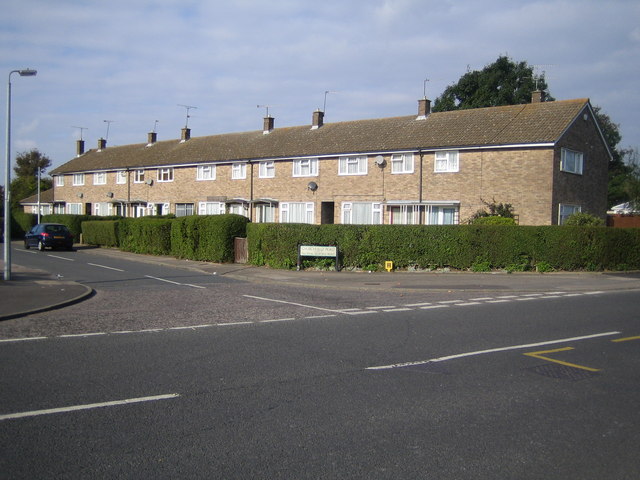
41	246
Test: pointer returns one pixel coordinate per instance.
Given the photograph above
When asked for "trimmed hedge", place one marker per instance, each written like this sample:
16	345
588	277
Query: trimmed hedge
456	246
207	238
145	235
21	223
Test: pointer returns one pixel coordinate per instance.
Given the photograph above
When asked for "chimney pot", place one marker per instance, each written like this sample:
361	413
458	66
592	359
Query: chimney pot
424	108
268	125
318	119
186	134
79	147
102	144
537	96
152	137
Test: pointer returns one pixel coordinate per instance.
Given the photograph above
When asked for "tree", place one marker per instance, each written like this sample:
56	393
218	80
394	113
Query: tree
25	183
504	82
632	182
27	163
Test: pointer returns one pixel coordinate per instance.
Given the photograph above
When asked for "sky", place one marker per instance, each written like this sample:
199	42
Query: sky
127	67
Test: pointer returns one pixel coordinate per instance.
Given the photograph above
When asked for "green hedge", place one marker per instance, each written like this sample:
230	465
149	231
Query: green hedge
145	235
100	232
456	246
21	223
207	238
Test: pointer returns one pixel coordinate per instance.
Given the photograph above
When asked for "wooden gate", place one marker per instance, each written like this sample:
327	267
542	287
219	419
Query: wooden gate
240	250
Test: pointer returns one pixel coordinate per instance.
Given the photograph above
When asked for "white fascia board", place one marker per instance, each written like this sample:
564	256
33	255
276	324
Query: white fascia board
424	202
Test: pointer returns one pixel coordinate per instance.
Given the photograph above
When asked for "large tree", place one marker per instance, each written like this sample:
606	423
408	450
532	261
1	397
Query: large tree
504	82
25	182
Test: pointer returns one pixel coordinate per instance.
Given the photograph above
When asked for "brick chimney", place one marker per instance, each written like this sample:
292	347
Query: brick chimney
102	144
152	137
537	96
79	147
186	134
424	108
268	125
318	119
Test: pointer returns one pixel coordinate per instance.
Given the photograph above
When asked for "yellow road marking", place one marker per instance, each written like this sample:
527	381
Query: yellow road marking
626	339
539	355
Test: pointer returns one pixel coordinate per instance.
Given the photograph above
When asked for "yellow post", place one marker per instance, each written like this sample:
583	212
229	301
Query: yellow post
388	265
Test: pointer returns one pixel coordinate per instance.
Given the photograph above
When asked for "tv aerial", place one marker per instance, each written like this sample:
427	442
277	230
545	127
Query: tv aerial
108	122
187	107
82	129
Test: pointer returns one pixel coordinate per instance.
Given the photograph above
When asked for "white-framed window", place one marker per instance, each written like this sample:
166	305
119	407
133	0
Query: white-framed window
361	213
206	172
100	178
165	175
305	167
138	176
356	165
74	208
404	214
239	208
211	208
121	177
78	179
45	209
566	210
103	209
402	163
267	169
441	215
59	180
265	213
296	212
447	161
238	171
571	161
59	208
184	209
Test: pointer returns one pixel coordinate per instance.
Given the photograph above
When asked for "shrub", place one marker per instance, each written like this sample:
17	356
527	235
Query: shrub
145	235
580	219
21	223
103	233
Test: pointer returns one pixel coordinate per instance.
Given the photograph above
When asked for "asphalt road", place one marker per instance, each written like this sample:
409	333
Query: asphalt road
234	380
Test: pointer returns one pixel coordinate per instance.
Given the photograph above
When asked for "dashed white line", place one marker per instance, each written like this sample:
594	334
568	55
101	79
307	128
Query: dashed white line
274	320
381	308
94	334
429	307
451	301
481	299
105	266
417	304
228	324
25	339
465	304
88	406
504	300
402	309
61	258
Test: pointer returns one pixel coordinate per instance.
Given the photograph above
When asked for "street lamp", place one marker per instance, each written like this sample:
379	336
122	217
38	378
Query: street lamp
27	72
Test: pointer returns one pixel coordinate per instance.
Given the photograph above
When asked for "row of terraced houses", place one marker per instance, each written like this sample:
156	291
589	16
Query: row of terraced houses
547	159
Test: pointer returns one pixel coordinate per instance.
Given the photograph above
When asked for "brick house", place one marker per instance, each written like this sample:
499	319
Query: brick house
547	159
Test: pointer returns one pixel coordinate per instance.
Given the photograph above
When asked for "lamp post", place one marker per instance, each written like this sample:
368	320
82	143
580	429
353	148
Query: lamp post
27	72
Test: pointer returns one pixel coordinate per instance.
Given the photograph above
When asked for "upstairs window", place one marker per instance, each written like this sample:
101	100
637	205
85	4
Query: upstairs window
59	180
99	178
238	171
402	163
571	161
78	179
139	176
121	177
166	175
267	170
352	165
206	172
447	161
305	167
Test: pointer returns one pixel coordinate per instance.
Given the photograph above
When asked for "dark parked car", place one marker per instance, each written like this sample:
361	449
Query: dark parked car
49	235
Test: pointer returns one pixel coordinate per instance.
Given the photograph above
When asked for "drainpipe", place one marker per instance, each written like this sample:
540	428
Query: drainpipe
420	185
251	191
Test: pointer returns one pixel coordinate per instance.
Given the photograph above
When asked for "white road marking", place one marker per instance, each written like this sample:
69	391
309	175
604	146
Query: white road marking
277	320
429	307
61	258
450	301
593	293
381	308
481	299
403	309
417	304
175	283
499	301
94	334
104	266
491	350
233	323
88	406
464	304
295	304
507	296
25	339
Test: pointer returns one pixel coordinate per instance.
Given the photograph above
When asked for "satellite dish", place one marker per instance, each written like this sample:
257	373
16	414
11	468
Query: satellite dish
149	182
313	186
110	194
80	195
380	161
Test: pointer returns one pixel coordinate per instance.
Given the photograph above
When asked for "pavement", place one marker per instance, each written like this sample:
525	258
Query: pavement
33	291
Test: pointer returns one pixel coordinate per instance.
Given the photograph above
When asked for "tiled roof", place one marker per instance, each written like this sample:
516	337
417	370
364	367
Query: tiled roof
46	196
531	123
